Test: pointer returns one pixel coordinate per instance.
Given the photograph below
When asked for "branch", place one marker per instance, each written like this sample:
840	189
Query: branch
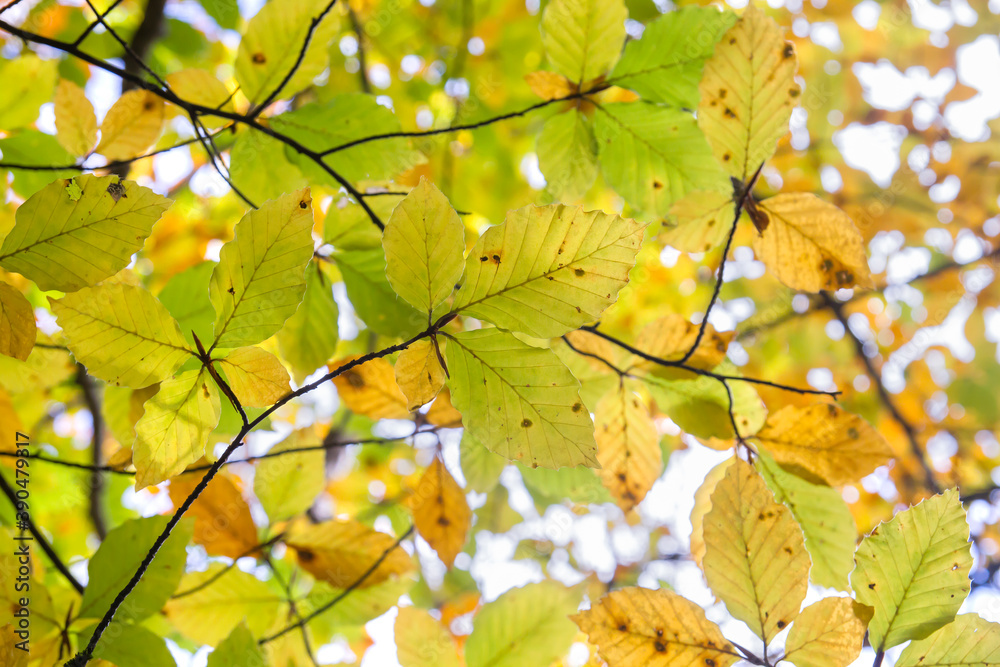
218	575
90	397
90	26
110	165
366	85
290	598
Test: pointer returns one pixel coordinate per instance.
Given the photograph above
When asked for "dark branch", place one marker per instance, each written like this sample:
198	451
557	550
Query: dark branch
89	389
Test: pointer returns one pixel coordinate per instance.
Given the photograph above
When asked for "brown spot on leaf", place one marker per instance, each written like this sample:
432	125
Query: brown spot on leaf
259	58
306	556
443	521
781	624
660	647
525	423
496	259
579	272
484	258
789	51
728	113
657	185
577	407
354	379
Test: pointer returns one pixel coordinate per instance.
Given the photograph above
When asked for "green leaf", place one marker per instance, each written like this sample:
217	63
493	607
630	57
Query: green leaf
424	243
239	648
174	429
371	295
64	242
33	148
700	221
309	337
348	227
665	64
29	83
118	559
701	406
225	12
185	296
259	280
272	43
653	156
524	626
132	645
825	519
519	401
287	485
567	155
338	121
122	334
578	485
968	640
480	467
548	270
914	570
260	167
583	38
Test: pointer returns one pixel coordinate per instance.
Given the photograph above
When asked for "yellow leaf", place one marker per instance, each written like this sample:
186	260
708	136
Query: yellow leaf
670	338
287	485
222	521
549	85
199	86
440	512
583	38
17	323
628	446
702	505
339	552
811	245
422	641
131	125
419	373
823	443
10	424
10	655
76	124
442	412
593	349
828	633
755	556
257	377
638	627
700	221
747	93
370	389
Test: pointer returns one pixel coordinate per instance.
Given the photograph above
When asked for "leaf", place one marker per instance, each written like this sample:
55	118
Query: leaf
823	443
968	640
256	377
628	446
638	626
440	512
700	221
207	612
76	124
374	301
174	429
421	640
259	280
666	63
825	519
65	243
339	552
424	243
653	156
524	626
308	338
549	85
259	165
419	374
828	633
132	125
701	407
33	148
122	334
201	87
222	521
671	336
272	43
370	389
583	38
287	485
480	467
133	645
702	506
747	93
755	559
548	270
519	401
914	570
11	655
239	648
17	323
117	560
811	245
578	485
567	155
28	83
186	297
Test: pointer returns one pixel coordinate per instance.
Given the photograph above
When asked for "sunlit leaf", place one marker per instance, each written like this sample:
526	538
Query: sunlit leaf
968	640
700	221
339	552
372	297
256	377
702	506
583	38
671	337
480	467
370	389
628	446
828	633
567	155
76	124
132	125
440	512
17	323
28	83
201	87
308	338
134	645
287	484
419	373
239	648
549	85
222	521
421	640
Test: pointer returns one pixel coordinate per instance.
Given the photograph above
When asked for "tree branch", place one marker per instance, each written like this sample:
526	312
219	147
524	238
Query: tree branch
90	397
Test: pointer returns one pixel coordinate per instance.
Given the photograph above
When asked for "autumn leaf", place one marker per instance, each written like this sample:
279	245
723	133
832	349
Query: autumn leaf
440	512
583	38
339	552
968	640
76	124
700	221
828	633
549	85
222	520
419	373
628	446
421	640
257	377
286	483
370	389
17	323
132	125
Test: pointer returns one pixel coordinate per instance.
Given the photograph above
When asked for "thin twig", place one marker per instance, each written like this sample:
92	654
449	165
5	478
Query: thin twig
100	21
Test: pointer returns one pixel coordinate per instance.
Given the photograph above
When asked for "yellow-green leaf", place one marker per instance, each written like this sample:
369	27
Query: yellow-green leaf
823	443
308	338
583	38
548	270
519	401
811	245
440	512
628	446
239	648
17	323
131	125
28	83
755	558
700	221
828	633
339	552
74	233
256	377
747	93
701	406
914	570
174	429
524	626
272	43
480	467
969	640
287	484
424	243
419	373
702	506
122	334
199	86
654	628
422	641
260	278
76	124
567	155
